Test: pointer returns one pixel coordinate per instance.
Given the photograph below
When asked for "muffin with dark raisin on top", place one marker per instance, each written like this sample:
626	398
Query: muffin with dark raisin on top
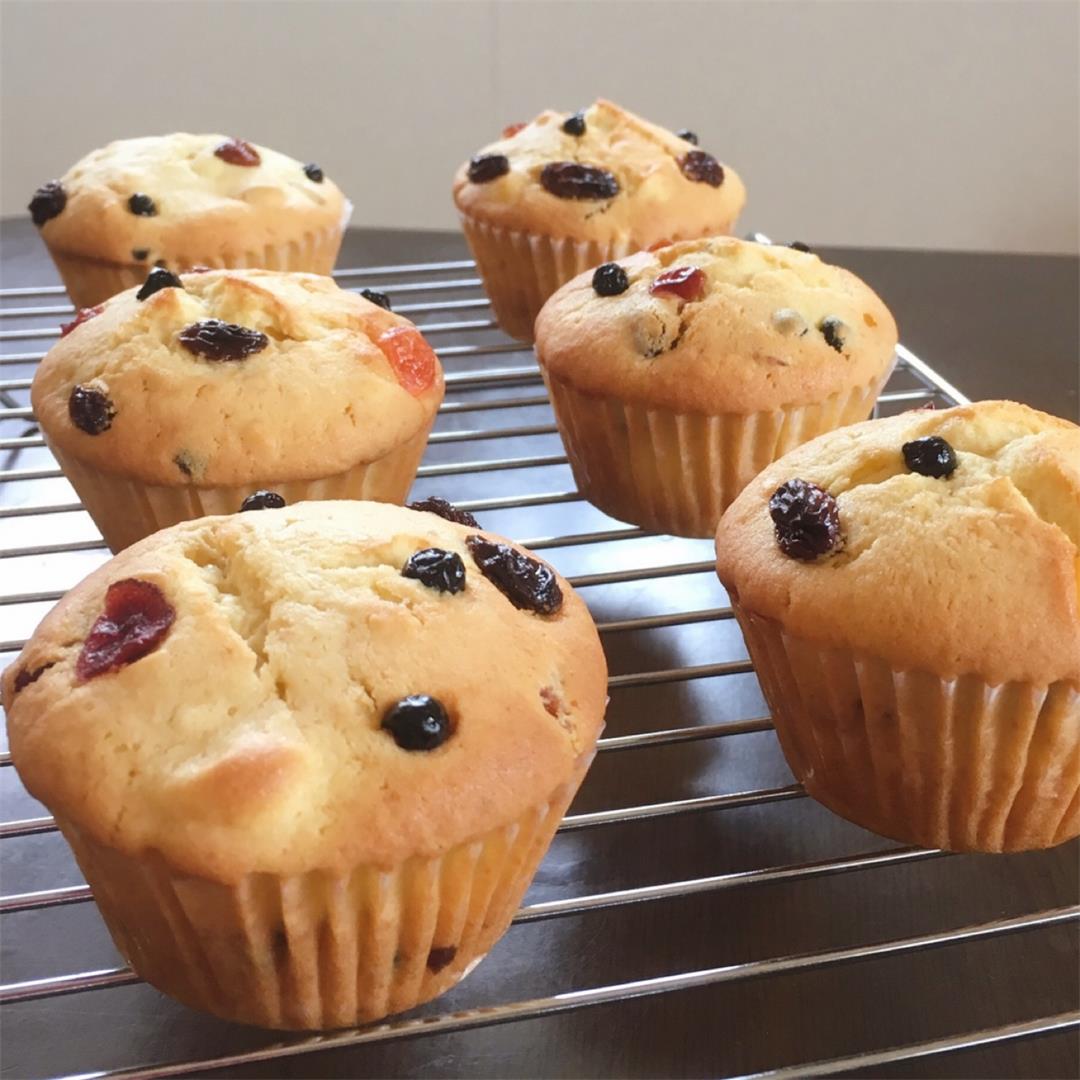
189	394
182	201
908	591
347	811
569	191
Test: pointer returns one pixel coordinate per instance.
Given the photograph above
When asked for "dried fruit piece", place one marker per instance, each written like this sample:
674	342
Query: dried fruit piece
313	173
687	282
798	245
570	180
440	956
238	152
135	621
90	409
27	675
376	297
140	254
575	125
410	356
835	331
437	569
487	167
702	168
48	201
687	136
142	205
527	583
159	278
262	500
806	520
213	339
447	511
511	130
81	316
418	722
930	456
609	279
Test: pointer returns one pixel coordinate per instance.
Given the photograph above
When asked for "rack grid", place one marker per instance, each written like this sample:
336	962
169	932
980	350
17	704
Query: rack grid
681	683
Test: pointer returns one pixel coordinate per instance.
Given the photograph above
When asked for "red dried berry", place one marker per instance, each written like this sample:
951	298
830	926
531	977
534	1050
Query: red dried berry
81	316
238	152
511	130
702	168
526	582
135	621
213	339
410	356
569	180
687	282
806	520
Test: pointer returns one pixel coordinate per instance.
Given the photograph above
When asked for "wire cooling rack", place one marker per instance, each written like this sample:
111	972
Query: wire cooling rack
691	871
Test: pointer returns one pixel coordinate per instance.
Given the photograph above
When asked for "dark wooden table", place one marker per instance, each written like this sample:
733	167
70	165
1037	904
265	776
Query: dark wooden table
997	326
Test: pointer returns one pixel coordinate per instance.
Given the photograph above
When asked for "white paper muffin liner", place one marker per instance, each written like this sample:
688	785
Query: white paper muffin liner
677	472
945	763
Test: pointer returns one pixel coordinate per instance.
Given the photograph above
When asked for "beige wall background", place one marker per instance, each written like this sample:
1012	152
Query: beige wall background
909	124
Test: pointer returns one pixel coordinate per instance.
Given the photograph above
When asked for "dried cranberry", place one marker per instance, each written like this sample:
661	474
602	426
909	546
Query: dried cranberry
135	621
806	519
569	180
575	125
313	173
687	282
26	676
930	456
81	316
527	583
217	340
238	152
687	136
49	201
798	245
142	205
437	569
440	956
609	279
159	278
835	331
376	297
90	409
410	356
418	722
262	500
702	168
487	167
511	130
441	508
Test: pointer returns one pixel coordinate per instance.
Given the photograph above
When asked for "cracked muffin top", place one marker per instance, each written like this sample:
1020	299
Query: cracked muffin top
949	542
601	174
717	325
159	197
310	687
233	376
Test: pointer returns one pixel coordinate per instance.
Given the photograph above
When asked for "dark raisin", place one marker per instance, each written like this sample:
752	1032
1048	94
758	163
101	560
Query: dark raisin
135	621
140	254
835	331
376	297
443	509
238	152
575	125
313	173
49	201
417	722
82	315
90	409
142	205
185	463
440	956
798	245
609	279
159	278
930	456
262	500
806	519
569	180
487	167
217	340
702	168
527	583
687	282
27	676
437	569
687	136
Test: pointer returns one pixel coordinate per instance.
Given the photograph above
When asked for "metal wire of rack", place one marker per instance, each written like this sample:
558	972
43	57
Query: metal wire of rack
514	472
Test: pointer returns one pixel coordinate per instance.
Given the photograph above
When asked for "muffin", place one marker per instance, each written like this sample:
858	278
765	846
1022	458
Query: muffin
182	201
907	589
564	193
676	376
343	820
183	397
